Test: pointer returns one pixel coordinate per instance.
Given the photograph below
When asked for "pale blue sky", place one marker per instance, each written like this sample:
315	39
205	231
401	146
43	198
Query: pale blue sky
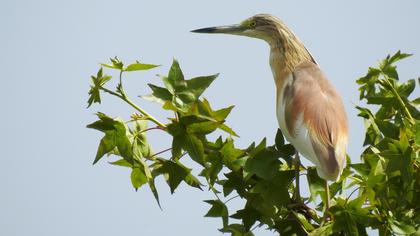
50	48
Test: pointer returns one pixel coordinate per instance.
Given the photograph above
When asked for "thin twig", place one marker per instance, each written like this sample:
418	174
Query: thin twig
231	199
158	153
127	100
402	103
347	199
110	92
152	128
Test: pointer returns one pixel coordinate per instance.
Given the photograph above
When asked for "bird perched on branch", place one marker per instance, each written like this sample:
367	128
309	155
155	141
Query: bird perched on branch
309	110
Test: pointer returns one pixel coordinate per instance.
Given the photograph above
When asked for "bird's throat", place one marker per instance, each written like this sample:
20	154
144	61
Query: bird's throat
279	68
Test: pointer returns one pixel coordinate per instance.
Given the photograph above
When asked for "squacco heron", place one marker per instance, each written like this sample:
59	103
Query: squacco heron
309	109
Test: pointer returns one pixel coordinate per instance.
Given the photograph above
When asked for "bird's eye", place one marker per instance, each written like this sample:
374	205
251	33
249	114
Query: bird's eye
253	24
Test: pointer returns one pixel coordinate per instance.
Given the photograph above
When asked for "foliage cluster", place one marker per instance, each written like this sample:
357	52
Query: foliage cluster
385	185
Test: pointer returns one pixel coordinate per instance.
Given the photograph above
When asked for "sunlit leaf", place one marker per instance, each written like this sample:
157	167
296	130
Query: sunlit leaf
159	94
107	144
115	135
139	66
205	127
138	178
121	162
154	191
199	84
97	82
401	227
115	64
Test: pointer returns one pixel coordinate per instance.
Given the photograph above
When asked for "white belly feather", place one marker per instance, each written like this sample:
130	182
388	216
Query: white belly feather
300	139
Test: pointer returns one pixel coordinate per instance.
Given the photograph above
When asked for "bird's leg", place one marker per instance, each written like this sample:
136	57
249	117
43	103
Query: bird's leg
297	173
327	202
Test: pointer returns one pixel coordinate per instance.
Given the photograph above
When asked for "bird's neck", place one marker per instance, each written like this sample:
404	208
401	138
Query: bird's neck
286	52
278	67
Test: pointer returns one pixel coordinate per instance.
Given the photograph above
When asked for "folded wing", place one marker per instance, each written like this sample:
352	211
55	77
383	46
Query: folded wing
309	98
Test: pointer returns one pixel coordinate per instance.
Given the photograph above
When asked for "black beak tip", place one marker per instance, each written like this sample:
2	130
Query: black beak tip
204	30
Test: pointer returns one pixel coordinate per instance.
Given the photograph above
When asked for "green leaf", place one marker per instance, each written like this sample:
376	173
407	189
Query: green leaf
275	191
175	78
303	221
121	162
178	142
397	56
154	191
107	144
211	172
230	154
316	184
264	164
416	102
389	129
228	130
141	147
218	209
373	134
115	64
361	168
325	230
199	84
403	228
370	77
236	182
248	215
222	114
138	178
287	151
159	94
186	96
105	123
195	148
289	226
115	135
204	109
97	83
279	139
417	132
405	89
377	174
205	127
184	92
139	66
236	230
175	173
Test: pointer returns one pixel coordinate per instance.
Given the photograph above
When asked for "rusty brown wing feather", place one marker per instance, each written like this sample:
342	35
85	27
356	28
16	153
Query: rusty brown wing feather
311	94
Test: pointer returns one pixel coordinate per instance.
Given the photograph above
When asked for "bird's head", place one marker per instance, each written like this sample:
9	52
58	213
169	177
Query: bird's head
261	26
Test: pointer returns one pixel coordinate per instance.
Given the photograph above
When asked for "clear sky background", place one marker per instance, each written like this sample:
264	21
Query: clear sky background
49	49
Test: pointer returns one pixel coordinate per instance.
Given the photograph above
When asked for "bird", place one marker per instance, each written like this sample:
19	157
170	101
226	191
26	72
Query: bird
310	111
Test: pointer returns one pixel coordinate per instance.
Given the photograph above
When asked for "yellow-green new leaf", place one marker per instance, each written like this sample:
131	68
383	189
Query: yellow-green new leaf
139	66
138	178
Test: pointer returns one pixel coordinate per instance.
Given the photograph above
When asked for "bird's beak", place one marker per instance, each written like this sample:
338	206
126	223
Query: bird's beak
227	29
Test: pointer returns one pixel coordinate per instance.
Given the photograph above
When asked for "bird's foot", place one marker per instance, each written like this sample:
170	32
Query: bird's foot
328	216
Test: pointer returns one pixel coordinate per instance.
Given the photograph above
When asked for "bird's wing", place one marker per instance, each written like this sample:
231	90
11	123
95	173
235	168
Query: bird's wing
311	95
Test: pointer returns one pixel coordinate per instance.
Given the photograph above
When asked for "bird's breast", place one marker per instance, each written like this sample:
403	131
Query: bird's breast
299	137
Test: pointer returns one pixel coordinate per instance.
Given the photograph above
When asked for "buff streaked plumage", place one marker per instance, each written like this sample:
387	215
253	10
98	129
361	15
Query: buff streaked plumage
310	95
310	112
